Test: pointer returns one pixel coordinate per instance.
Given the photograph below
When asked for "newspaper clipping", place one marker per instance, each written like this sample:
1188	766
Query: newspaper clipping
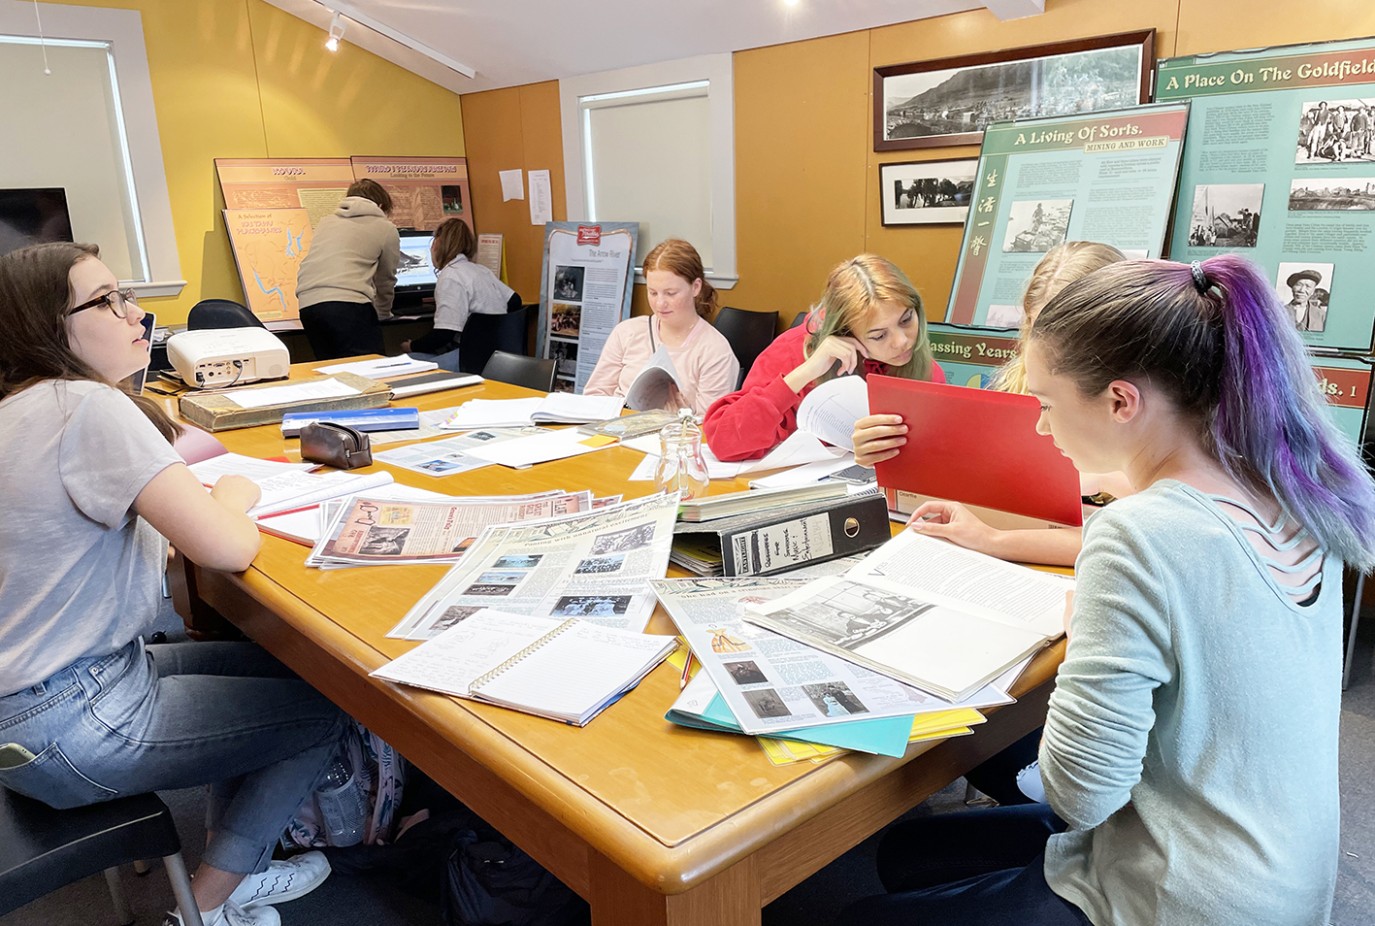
593	566
372	531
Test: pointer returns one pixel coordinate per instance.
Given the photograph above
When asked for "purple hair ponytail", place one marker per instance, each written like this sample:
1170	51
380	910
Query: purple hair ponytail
1272	428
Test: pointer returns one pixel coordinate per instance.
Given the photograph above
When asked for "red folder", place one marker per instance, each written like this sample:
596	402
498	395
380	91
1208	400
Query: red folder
978	447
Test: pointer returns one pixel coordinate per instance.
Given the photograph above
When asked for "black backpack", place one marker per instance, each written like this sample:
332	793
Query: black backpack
491	882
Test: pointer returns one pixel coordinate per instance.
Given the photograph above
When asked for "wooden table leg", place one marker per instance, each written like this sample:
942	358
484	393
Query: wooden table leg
731	898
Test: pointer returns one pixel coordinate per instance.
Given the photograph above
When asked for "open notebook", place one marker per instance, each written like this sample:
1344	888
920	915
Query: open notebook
566	670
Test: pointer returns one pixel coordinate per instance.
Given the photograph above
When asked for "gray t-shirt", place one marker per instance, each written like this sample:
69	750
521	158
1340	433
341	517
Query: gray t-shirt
1191	742
79	572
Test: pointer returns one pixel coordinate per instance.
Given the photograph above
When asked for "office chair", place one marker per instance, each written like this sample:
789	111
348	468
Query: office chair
519	370
799	318
42	849
484	334
748	333
221	313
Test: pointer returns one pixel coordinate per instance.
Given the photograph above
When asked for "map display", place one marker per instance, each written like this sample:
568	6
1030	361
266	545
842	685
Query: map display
268	247
313	184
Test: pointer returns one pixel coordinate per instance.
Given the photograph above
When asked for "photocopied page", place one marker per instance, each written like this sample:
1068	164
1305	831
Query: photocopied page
941	649
972	582
830	410
772	683
593	566
296	392
451	455
653	384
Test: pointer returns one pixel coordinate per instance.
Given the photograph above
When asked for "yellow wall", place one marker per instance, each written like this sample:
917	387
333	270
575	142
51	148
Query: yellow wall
240	78
806	174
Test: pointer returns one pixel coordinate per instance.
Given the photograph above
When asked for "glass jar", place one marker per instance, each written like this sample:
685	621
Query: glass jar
682	468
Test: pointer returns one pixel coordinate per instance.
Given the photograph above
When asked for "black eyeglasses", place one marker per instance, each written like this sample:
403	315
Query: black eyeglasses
118	300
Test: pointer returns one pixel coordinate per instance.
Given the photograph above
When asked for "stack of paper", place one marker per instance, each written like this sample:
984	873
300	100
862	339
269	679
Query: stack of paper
555	408
382	367
288	491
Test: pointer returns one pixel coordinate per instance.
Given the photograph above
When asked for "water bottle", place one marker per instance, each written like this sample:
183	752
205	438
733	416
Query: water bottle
681	467
343	806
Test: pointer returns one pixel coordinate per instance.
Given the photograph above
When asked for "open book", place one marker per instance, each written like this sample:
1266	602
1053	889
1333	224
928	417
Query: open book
567	670
926	612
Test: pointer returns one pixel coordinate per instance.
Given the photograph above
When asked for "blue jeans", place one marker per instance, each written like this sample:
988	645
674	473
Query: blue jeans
981	868
177	716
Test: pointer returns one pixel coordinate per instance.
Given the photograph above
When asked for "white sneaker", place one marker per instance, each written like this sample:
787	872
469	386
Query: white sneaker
231	914
282	881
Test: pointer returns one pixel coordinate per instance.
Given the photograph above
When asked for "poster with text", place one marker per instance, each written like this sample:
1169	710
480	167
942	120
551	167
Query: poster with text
585	290
1107	176
971	356
313	184
424	191
1279	167
268	246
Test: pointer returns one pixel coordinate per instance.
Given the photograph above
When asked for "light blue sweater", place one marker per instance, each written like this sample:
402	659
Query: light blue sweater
1191	742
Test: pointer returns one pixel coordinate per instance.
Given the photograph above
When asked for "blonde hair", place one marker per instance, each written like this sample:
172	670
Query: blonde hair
853	290
1062	265
681	259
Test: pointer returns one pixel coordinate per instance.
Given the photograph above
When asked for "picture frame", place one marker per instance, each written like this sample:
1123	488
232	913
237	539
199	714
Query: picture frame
935	192
949	101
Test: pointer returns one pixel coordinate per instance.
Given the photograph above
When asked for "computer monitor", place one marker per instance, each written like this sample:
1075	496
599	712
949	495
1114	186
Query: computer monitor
33	216
416	271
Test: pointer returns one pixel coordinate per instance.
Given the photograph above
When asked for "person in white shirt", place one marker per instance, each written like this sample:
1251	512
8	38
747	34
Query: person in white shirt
461	289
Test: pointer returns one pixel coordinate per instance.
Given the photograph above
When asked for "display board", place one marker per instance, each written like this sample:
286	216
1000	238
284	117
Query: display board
585	291
1279	167
1106	176
268	247
313	184
424	191
970	355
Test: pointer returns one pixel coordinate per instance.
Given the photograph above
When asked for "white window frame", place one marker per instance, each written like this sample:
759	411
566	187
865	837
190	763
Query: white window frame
122	31
717	71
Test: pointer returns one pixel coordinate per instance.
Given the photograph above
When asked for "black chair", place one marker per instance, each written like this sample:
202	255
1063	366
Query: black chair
519	370
42	849
484	334
748	333
799	318
221	313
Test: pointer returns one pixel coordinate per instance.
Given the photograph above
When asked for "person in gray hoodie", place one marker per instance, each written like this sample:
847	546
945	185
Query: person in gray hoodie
347	279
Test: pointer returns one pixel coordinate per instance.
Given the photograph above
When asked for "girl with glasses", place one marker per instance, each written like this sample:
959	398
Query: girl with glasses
93	492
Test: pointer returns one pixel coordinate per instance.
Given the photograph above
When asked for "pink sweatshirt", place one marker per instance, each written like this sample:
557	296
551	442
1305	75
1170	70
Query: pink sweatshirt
705	363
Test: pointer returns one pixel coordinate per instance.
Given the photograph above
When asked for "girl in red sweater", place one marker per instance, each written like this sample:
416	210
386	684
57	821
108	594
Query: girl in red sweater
869	320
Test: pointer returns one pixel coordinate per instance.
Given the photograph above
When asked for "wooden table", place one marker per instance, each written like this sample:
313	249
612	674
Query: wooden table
651	823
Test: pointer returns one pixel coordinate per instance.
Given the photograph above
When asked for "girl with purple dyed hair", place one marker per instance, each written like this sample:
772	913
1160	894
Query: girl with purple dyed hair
1190	748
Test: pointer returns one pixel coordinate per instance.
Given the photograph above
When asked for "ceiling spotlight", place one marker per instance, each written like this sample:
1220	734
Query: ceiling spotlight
336	32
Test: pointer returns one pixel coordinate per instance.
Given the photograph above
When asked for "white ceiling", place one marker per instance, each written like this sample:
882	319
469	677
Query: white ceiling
512	42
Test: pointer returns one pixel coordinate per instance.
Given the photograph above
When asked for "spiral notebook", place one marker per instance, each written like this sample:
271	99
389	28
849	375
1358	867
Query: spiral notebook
567	670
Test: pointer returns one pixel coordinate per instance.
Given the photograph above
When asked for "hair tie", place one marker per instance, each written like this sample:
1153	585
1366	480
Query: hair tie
1200	278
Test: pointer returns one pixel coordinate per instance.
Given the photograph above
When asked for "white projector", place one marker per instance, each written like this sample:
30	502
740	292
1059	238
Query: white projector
227	356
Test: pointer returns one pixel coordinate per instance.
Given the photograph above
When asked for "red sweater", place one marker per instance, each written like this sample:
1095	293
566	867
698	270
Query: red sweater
749	423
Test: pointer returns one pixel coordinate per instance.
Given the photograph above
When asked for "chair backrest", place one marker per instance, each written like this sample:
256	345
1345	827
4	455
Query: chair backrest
221	313
748	333
483	334
799	318
519	370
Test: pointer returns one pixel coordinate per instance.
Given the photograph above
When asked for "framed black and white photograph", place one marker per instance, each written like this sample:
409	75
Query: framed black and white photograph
949	101
927	192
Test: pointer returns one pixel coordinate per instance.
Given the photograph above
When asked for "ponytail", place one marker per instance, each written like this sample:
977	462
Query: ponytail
1214	338
1272	428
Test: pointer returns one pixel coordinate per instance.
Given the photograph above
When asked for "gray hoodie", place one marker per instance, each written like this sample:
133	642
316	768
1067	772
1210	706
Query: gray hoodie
352	258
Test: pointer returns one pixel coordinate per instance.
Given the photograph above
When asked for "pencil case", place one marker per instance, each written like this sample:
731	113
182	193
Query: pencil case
336	445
